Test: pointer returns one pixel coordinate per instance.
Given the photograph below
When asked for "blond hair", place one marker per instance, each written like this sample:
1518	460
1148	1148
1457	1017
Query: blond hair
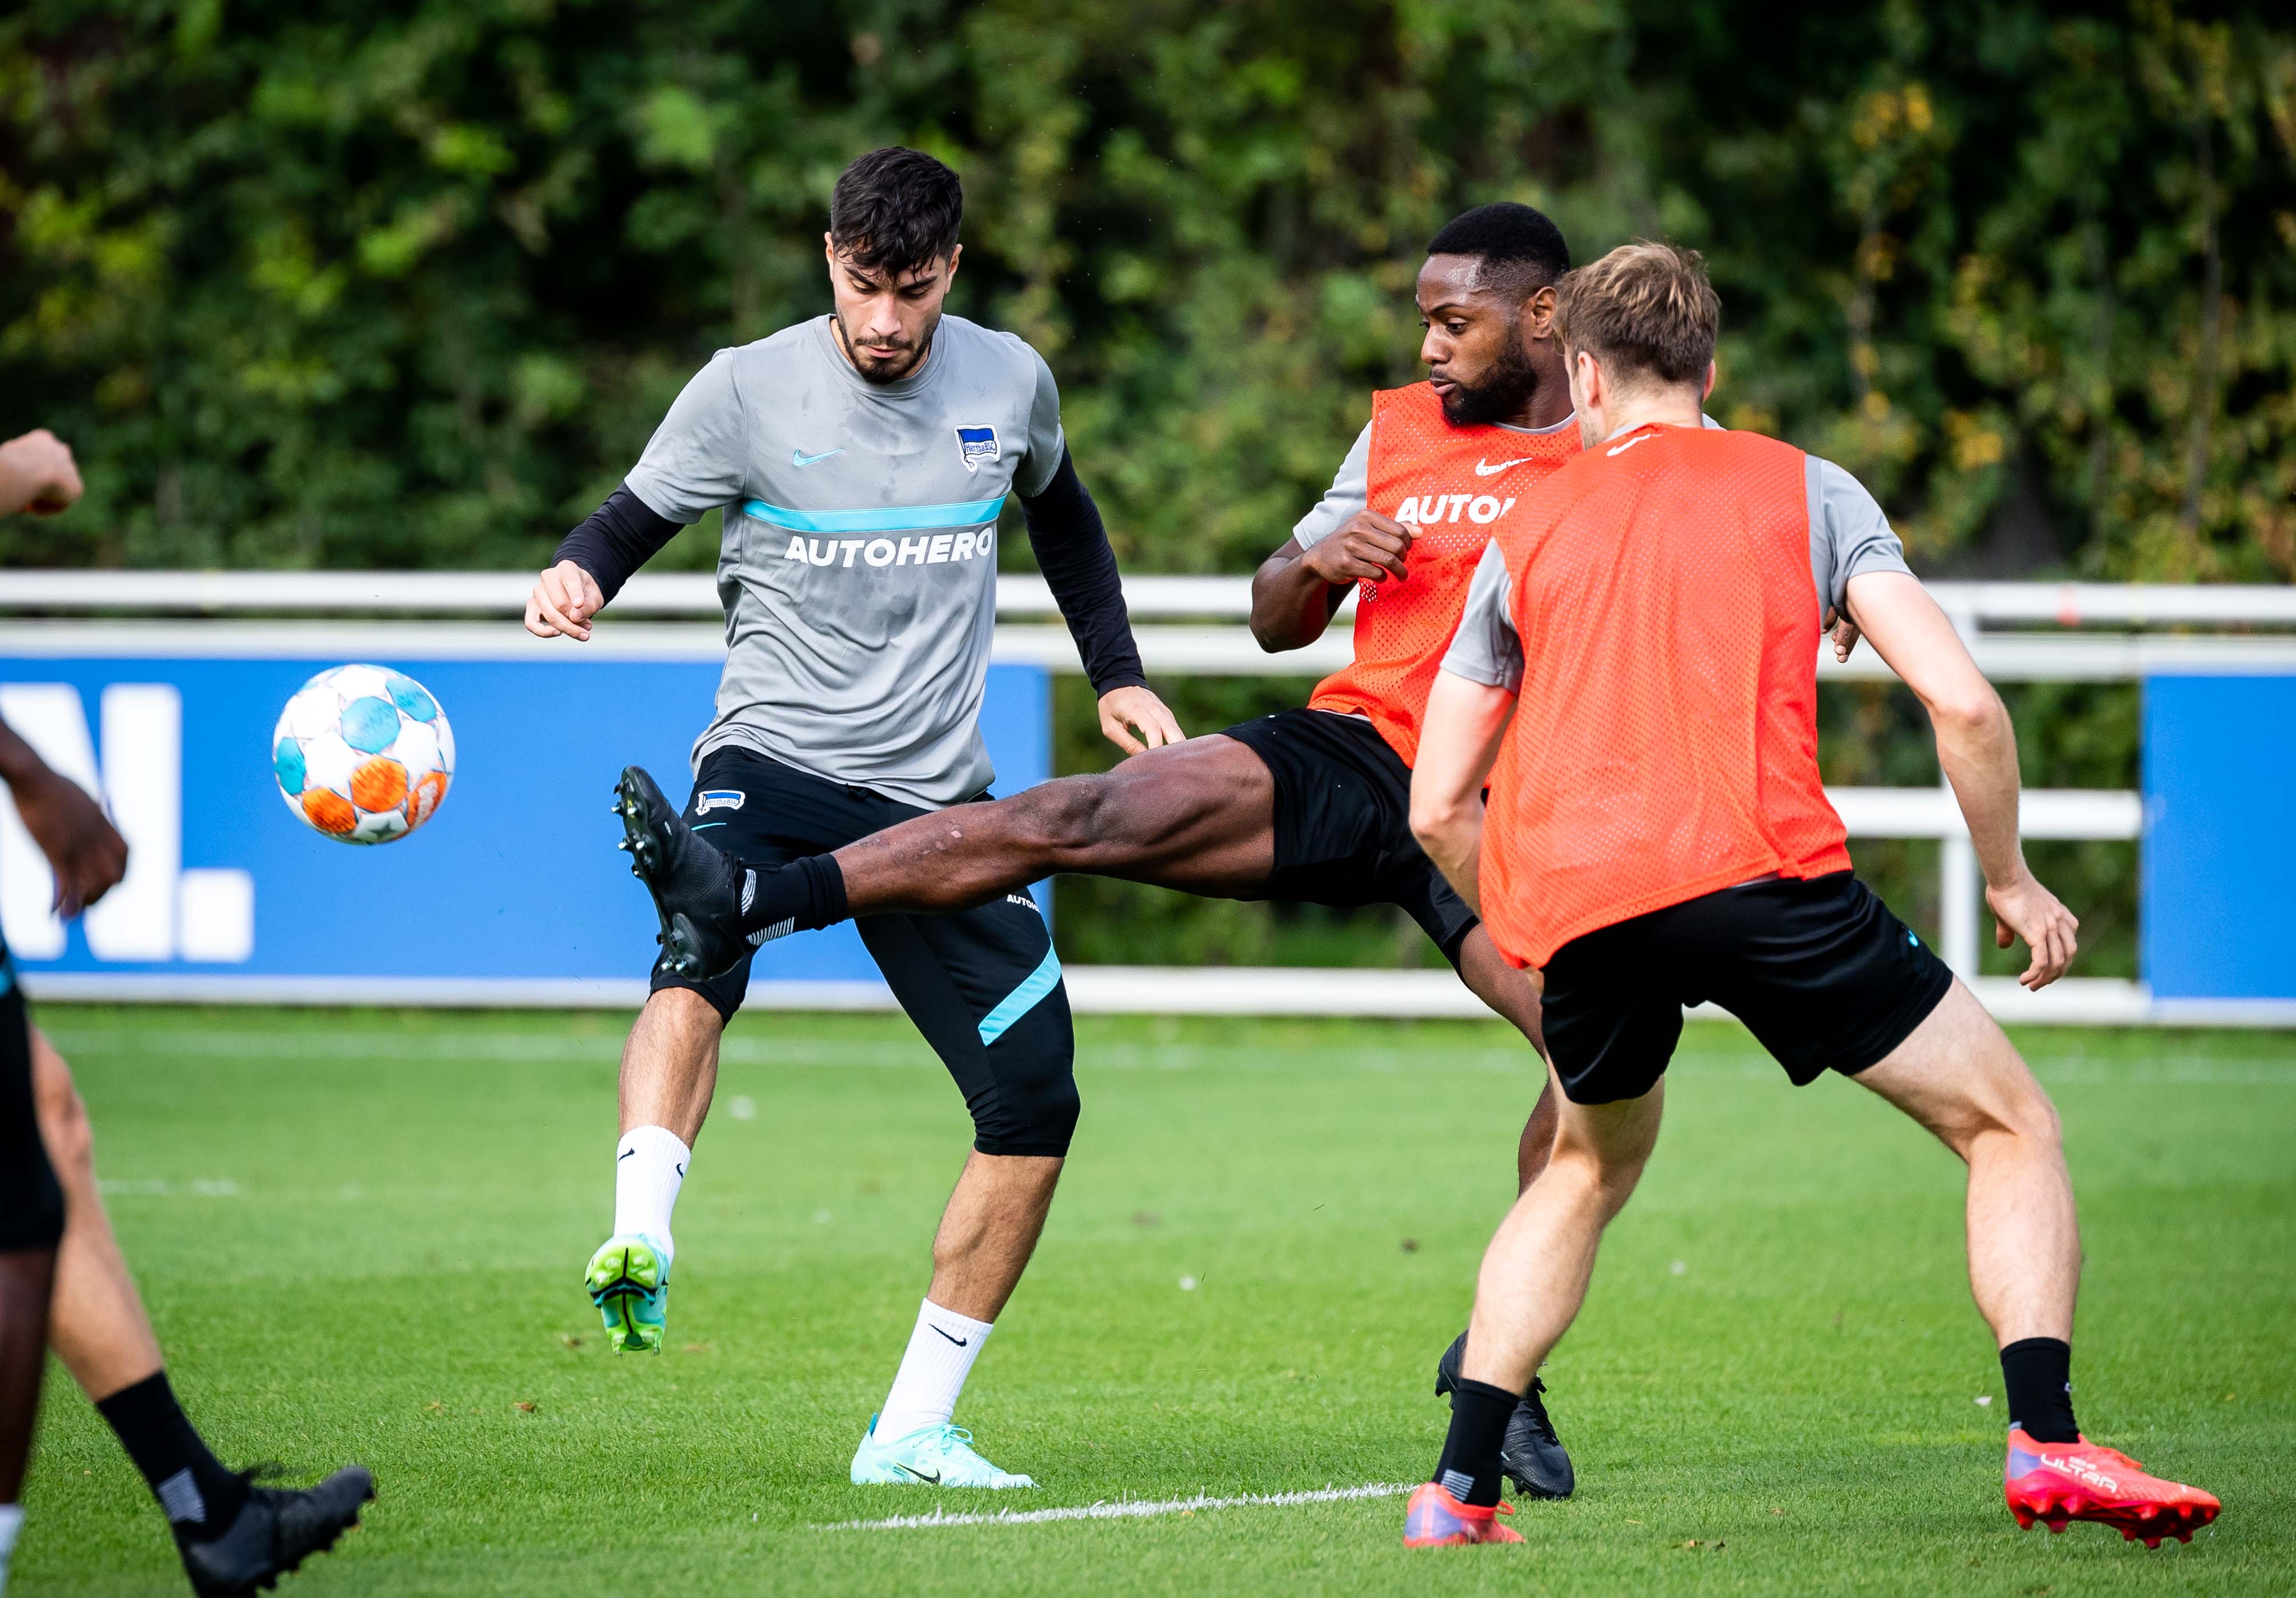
1644	310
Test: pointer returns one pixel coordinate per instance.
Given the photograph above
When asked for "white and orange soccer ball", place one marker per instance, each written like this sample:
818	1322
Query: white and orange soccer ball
363	754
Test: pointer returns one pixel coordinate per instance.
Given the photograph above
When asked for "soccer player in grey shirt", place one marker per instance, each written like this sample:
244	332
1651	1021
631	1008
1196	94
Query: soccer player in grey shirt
861	461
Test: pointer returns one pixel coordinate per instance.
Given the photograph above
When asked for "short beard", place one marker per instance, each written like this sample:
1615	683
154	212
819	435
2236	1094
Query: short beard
880	374
1505	391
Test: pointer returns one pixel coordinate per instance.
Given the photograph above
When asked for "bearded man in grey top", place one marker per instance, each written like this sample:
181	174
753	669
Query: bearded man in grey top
861	461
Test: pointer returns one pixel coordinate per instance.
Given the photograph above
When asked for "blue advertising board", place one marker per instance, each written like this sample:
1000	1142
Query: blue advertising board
2220	853
515	880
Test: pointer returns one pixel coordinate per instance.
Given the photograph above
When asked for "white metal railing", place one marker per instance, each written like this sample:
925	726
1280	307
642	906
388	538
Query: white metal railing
1190	629
1190	620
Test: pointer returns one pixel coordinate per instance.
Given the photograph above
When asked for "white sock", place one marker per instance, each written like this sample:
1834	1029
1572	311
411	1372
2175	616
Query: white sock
11	1521
649	1167
939	1357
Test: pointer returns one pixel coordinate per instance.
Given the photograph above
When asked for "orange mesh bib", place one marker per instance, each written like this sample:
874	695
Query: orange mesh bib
1455	487
1665	744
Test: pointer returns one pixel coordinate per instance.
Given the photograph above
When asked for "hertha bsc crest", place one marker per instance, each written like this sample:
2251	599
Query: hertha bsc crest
977	445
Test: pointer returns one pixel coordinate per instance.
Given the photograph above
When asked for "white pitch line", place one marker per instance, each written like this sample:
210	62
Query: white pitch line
1131	1509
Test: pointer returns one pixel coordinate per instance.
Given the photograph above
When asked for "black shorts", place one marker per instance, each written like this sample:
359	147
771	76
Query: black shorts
31	1202
1343	821
983	984
1818	968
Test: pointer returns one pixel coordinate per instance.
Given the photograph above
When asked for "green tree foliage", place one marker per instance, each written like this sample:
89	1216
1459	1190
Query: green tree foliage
408	283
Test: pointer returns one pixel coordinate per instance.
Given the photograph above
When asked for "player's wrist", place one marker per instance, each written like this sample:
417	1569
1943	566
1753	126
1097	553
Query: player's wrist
2011	882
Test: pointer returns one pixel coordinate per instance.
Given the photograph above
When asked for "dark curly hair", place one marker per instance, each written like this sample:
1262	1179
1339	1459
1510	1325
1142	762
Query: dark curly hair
895	210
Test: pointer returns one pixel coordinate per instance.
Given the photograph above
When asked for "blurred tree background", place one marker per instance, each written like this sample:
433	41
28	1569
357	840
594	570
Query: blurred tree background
407	282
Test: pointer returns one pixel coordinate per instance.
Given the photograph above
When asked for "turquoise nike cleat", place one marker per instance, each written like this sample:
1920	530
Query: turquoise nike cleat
629	1283
938	1456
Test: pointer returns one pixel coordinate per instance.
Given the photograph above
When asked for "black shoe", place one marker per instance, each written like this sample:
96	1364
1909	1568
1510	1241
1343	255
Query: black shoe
1532	1457
276	1529
697	889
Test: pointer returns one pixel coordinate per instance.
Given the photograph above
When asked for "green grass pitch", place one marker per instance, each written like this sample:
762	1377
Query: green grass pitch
362	1236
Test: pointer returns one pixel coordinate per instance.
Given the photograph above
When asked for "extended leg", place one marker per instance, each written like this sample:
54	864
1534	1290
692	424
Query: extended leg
1198	817
1958	1075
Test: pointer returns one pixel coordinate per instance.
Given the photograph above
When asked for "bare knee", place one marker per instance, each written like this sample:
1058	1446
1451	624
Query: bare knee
2027	1114
64	1126
2015	1109
1601	1180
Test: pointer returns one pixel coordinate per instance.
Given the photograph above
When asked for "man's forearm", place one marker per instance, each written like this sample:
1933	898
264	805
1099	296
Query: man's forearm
1291	604
1455	844
1979	754
616	538
1070	540
18	761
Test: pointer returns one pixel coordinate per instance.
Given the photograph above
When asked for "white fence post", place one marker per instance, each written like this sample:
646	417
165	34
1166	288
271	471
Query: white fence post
1957	896
1957	903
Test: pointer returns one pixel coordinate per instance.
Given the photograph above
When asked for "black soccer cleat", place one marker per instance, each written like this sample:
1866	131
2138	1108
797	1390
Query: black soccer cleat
1532	1455
696	888
275	1530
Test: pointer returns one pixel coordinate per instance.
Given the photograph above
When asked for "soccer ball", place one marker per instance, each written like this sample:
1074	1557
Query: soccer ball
363	754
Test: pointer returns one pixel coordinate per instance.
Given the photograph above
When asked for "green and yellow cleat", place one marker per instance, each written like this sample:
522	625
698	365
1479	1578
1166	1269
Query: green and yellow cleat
629	1283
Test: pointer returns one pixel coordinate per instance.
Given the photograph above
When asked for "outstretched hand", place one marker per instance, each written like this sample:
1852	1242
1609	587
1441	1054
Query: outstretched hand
1127	711
564	599
2027	910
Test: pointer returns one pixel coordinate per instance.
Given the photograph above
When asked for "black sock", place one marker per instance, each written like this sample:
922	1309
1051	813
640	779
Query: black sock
2038	1372
804	896
1469	1469
201	1497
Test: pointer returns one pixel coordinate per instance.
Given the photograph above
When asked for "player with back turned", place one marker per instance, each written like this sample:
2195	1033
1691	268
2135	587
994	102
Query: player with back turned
1309	805
861	460
1636	677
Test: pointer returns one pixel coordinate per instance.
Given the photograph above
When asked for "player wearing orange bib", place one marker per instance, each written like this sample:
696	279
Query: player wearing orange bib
1636	677
1310	805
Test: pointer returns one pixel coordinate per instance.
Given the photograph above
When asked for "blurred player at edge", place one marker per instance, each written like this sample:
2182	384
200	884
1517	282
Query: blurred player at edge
232	1535
861	460
1658	835
1309	804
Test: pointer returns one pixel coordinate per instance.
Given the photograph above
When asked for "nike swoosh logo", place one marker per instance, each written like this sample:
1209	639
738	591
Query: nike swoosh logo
798	457
931	1480
625	1154
960	1341
1484	468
